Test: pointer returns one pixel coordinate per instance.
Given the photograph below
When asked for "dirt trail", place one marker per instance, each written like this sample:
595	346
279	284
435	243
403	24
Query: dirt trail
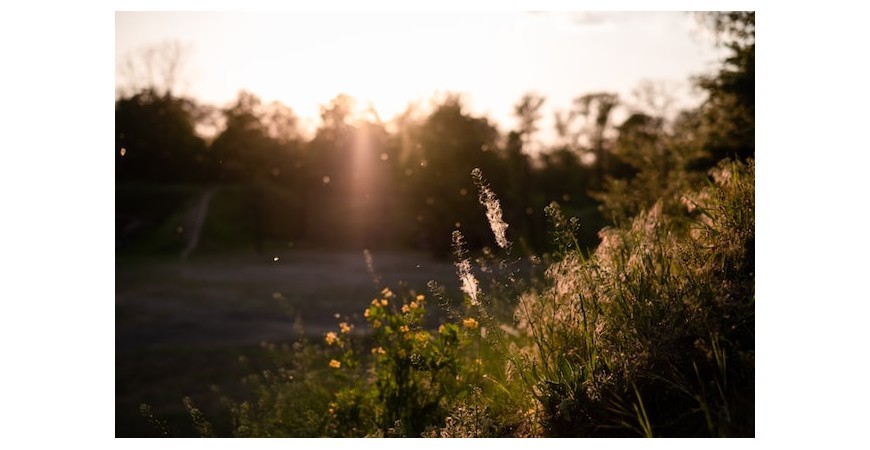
194	219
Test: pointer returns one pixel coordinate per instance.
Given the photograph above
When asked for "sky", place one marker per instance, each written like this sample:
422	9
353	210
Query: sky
304	59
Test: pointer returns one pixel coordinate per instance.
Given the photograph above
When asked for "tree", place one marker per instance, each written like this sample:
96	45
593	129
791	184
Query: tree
668	158
259	149
528	112
157	67
728	114
156	141
451	144
243	147
587	129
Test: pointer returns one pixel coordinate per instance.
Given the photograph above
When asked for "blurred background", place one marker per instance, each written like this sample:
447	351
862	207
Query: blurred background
274	171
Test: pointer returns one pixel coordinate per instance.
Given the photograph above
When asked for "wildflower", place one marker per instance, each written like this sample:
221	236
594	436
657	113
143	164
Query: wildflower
378	351
335	364
404	329
375	302
384	302
376	324
420	298
332	411
331	338
441	328
422	337
387	293
470	323
406	309
345	328
366	314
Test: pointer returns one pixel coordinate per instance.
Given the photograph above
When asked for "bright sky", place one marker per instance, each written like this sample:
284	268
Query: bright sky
305	59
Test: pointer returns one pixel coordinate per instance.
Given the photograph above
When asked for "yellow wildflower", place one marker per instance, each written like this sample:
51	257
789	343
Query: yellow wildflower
345	328
470	323
406	309
375	302
331	337
378	351
366	313
404	329
441	328
420	297
384	302
422	337
387	293
332	411
335	364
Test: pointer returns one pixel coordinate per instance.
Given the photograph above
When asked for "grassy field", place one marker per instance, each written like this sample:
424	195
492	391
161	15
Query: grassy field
651	335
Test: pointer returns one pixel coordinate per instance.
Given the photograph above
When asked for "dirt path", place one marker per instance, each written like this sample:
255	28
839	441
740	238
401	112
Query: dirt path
194	219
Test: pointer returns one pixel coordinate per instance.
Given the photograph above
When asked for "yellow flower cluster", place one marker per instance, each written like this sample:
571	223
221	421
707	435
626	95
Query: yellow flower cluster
331	338
378	351
404	329
345	328
335	364
470	323
412	306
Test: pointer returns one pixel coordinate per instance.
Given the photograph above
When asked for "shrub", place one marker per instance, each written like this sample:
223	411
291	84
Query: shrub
415	375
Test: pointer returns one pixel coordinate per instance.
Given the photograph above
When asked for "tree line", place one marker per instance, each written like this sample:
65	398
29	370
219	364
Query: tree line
360	181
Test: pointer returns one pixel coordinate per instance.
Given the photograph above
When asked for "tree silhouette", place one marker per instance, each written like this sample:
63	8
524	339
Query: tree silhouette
155	139
728	114
157	67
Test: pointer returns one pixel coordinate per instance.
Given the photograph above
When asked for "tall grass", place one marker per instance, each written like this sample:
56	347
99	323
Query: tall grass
654	333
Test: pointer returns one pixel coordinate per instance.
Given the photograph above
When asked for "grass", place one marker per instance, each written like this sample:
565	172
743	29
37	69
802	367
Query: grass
652	335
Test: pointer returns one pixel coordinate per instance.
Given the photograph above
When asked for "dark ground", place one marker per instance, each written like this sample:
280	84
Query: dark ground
193	327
